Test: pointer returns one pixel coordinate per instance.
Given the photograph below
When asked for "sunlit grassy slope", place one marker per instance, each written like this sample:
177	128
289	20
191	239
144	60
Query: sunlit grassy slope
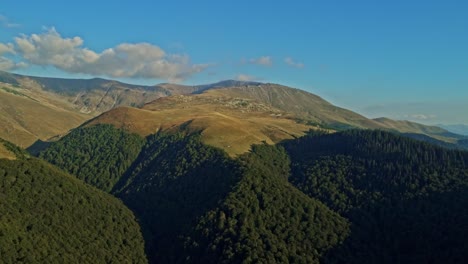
27	116
230	114
233	124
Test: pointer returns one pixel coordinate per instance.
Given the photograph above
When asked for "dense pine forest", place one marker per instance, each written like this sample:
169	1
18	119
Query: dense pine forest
48	216
356	196
266	220
97	155
407	200
172	183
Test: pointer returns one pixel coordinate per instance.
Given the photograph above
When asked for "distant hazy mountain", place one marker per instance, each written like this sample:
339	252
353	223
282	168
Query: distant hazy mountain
458	129
403	126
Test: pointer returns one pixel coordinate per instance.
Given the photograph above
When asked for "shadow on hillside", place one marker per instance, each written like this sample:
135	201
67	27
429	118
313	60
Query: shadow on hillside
169	187
37	147
430	229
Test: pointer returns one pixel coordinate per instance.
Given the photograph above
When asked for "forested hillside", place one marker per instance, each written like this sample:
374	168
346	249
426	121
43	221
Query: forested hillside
356	196
48	216
195	204
406	200
265	219
99	155
173	182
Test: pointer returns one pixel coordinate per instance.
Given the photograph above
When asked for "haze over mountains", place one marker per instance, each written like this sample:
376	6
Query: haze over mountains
458	129
232	114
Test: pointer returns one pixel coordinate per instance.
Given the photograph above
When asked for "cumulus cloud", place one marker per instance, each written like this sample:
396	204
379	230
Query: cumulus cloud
246	78
9	65
140	60
6	48
289	61
263	61
4	21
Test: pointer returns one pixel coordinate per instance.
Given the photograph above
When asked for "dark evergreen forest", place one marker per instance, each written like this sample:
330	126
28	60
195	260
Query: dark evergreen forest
49	216
355	196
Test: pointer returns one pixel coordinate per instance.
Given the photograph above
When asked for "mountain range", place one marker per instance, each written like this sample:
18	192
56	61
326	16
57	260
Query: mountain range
458	129
232	114
231	172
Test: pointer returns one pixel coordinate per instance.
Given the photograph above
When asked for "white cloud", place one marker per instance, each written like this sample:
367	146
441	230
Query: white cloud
246	78
6	23
6	48
140	60
420	116
263	61
12	25
8	65
289	61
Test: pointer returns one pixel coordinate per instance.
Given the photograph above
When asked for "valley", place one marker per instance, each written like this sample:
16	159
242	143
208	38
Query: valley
234	132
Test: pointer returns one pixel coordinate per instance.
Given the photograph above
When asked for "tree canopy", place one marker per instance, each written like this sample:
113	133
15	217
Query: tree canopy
406	200
99	155
48	216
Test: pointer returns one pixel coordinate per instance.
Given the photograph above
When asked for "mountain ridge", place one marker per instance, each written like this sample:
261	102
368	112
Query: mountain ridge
68	103
461	129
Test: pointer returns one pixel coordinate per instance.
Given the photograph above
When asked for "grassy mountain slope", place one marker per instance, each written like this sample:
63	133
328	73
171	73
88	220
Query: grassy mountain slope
303	104
100	95
64	103
27	117
233	124
95	96
49	216
235	118
442	143
460	129
39	108
6	153
10	151
312	109
412	127
92	96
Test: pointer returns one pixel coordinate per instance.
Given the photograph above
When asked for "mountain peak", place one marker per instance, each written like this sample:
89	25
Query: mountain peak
235	83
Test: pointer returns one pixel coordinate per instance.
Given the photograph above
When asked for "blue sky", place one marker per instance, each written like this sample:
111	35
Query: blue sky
400	59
